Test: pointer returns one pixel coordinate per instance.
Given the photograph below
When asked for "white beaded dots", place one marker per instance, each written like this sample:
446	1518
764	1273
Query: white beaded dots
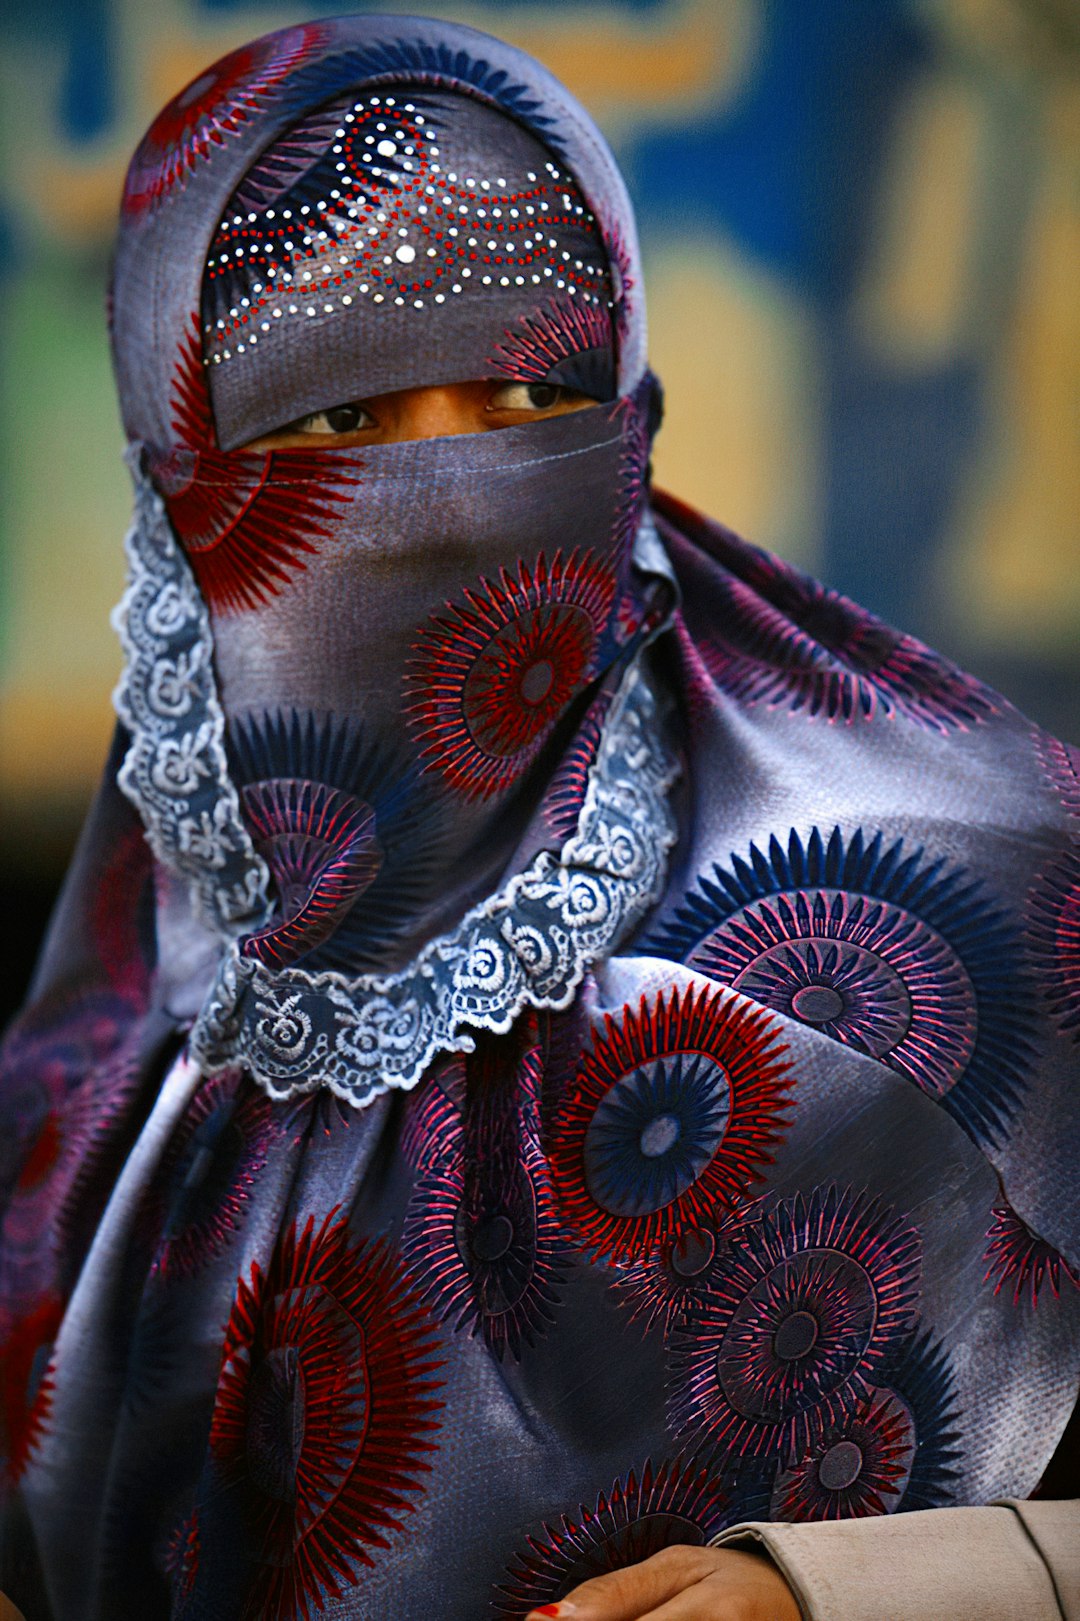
351	245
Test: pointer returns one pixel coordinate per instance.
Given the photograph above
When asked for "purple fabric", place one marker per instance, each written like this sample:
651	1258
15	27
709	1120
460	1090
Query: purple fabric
776	1216
406	239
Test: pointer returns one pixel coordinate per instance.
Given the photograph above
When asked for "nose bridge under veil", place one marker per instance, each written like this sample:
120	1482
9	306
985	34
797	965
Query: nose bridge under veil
334	790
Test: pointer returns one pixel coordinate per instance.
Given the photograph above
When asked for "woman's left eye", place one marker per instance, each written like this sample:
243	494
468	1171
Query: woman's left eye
529	397
335	419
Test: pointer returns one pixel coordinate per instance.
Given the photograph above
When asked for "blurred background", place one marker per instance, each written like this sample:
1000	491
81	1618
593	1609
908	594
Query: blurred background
861	226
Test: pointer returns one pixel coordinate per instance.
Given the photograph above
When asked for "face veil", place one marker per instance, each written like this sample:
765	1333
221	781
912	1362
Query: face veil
435	614
389	650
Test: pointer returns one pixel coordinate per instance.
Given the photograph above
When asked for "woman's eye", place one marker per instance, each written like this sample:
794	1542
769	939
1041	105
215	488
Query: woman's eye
335	419
529	397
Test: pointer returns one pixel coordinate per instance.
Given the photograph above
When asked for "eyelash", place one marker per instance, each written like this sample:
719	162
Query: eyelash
306	424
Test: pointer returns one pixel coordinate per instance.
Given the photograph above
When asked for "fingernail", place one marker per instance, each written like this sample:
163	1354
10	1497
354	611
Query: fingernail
556	1609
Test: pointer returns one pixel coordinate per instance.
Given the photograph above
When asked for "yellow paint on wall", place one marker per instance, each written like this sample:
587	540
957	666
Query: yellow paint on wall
53	744
1016	563
627	68
678	59
736	354
915	303
64	504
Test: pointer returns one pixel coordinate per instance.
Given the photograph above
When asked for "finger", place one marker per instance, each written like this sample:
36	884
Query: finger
736	1595
628	1594
704	1601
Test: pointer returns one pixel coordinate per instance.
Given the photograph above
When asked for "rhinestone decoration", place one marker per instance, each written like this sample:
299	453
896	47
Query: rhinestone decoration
355	205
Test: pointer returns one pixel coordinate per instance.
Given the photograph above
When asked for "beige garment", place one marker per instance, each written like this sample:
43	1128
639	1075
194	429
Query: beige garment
1010	1562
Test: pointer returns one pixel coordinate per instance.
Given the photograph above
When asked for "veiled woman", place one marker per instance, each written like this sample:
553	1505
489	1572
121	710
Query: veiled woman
556	1043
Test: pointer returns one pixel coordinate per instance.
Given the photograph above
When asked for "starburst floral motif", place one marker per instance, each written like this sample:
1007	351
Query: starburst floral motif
661	1287
1054	925
1061	766
681	1502
69	1069
897	1451
482	1235
637	435
26	1382
564	797
565	343
856	1469
210	111
491	676
674	1113
337	820
775	636
886	950
431	1129
790	1339
1017	1258
419	60
211	1170
325	1414
246	518
121	914
320	846
182	1561
483	1245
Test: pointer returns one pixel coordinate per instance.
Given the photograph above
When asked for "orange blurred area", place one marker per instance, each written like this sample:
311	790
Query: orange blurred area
863	311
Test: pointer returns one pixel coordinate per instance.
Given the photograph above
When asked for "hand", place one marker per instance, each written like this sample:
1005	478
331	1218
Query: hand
683	1584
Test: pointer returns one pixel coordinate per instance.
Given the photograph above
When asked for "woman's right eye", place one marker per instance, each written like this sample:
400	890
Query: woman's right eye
335	419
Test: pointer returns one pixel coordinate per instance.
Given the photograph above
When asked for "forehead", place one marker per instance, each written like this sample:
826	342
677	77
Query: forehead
197	152
394	238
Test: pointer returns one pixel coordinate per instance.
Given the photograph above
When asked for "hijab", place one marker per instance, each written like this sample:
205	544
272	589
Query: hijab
559	1024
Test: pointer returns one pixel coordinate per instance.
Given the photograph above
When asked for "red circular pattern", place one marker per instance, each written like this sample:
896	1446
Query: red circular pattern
741	1043
663	1286
210	1171
122	913
1054	931
1017	1258
247	519
325	1412
680	1503
787	1341
26	1384
857	1469
213	107
69	1070
322	850
774	636
491	676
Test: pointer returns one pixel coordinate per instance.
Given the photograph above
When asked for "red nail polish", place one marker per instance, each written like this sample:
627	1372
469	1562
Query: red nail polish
547	1609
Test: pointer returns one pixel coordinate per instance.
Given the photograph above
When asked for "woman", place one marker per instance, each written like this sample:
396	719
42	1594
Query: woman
554	1047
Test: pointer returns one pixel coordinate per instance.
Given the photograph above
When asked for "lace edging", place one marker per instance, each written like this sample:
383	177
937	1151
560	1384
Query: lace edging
529	944
175	771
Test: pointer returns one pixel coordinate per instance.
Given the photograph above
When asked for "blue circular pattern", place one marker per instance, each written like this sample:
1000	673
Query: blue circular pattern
655	1131
883	947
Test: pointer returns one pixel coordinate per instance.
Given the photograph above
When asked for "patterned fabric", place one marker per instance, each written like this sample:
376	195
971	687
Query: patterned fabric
731	1174
413	237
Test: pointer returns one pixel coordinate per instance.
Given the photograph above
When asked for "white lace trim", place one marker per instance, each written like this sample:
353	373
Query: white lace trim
175	771
529	944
